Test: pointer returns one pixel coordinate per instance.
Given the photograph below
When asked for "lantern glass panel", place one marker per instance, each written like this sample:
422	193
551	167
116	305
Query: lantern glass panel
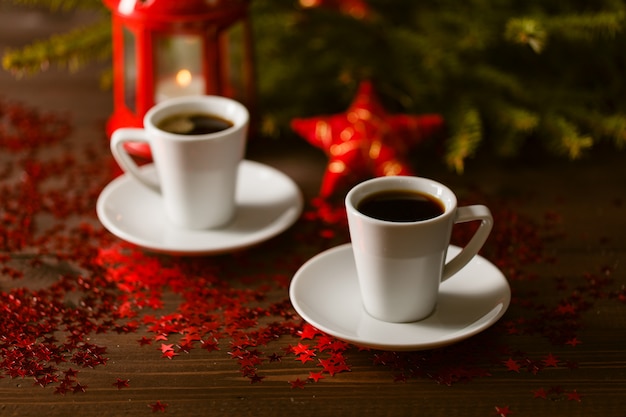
178	67
130	70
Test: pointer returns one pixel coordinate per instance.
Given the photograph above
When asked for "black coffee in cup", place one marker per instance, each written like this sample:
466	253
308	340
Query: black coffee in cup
401	206
194	124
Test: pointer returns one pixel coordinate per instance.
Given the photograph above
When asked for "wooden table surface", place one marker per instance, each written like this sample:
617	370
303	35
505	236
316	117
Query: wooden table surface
560	239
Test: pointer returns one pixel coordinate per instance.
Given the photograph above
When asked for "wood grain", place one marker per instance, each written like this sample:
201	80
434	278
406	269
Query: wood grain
589	197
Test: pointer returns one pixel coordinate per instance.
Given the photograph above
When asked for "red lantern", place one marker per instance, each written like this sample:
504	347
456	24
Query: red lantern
166	48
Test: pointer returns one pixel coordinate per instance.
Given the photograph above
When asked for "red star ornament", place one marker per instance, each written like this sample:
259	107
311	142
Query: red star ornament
365	141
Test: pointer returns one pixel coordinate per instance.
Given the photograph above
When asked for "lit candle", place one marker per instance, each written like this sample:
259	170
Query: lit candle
183	84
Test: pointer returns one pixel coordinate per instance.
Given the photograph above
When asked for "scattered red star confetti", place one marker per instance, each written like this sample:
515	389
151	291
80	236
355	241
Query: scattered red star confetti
503	411
316	376
301	349
274	357
62	389
566	309
365	140
573	341
308	332
24	127
70	373
121	383
298	383
166	348
335	364
512	365
121	289
551	360
158	406
78	388
170	354
144	341
210	345
304	358
574	396
45	380
255	378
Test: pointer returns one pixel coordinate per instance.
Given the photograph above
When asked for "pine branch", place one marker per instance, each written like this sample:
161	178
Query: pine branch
565	137
612	127
62	5
534	32
587	27
510	126
503	83
615	128
527	31
564	87
464	142
71	50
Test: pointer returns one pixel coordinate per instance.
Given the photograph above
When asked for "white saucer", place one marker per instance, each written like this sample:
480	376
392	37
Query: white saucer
268	202
325	292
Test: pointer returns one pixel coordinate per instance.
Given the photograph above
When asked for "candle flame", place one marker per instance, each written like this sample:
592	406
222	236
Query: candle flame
183	78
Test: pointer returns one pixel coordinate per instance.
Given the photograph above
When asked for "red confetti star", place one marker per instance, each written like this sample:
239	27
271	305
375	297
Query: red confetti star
78	388
185	347
503	411
210	345
316	376
304	358
302	349
512	365
62	389
121	383
308	332
324	343
573	342
334	365
298	383
365	140
249	361
540	393
166	348
158	406
533	366
70	373
567	308
45	380
170	354
574	396
551	360
144	341
255	378
338	346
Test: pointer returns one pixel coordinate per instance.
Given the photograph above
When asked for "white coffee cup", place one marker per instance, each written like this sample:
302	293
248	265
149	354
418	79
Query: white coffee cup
197	173
400	264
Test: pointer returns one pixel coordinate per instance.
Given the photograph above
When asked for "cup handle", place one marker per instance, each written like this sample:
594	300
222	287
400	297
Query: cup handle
467	214
125	161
